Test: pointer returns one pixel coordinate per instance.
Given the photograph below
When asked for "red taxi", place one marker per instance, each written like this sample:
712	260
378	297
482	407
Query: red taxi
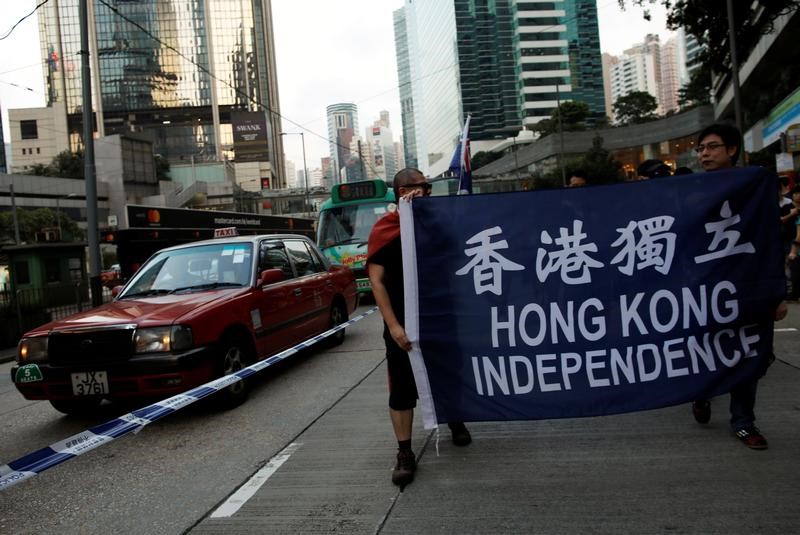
190	314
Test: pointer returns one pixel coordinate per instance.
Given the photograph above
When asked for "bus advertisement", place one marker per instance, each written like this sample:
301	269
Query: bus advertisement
345	221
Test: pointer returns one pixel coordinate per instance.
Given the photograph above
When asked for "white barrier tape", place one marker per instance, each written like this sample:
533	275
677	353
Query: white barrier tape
133	422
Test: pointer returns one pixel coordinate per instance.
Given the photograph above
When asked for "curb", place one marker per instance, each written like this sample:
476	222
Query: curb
8	355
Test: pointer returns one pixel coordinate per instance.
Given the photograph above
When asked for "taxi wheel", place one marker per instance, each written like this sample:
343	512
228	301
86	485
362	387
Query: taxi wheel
76	407
233	360
338	316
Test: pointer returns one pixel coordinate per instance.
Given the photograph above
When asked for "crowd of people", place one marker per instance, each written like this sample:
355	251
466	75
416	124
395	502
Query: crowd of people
718	147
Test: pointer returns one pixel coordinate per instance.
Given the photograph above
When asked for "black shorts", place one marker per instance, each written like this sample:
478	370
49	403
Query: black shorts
402	387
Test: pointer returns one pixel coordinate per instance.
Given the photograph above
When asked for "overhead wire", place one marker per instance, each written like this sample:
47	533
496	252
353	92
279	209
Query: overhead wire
11	30
238	91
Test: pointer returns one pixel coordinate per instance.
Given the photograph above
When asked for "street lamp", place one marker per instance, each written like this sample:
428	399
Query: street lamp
305	167
561	137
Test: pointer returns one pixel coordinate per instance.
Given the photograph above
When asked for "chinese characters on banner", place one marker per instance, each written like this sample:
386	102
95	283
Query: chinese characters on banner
591	301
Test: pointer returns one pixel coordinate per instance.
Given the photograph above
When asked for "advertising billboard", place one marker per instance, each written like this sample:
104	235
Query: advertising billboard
250	133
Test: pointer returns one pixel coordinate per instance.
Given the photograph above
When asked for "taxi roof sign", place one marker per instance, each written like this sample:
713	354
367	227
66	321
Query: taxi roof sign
226	232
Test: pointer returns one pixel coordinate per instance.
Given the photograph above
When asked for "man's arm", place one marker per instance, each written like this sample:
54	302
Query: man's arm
794	212
398	333
795	242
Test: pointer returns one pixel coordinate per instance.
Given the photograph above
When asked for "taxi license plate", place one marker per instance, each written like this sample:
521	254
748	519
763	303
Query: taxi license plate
89	383
363	284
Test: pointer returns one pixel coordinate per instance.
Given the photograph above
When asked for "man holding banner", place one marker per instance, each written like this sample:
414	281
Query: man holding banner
385	268
621	298
718	148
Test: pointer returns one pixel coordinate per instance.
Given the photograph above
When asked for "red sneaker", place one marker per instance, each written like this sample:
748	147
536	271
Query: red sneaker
752	438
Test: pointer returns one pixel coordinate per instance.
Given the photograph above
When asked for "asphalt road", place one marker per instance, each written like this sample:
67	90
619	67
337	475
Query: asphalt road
166	478
646	472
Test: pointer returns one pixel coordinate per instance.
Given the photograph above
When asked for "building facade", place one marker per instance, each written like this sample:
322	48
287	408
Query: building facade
638	69
37	135
342	130
380	158
404	81
674	74
173	70
506	64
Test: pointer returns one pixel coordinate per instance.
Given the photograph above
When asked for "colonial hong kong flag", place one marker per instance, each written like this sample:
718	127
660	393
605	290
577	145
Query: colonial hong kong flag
460	163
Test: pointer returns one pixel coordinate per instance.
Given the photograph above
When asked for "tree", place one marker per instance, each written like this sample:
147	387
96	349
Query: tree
597	162
697	90
33	221
600	165
162	167
66	164
482	158
707	21
635	107
573	118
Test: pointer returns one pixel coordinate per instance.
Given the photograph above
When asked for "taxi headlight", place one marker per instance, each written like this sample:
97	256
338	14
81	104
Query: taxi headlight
162	339
32	349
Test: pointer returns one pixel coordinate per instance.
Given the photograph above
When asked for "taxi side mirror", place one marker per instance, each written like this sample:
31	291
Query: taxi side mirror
270	276
116	290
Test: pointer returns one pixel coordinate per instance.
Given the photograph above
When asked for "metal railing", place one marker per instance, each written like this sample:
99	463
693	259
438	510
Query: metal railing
24	309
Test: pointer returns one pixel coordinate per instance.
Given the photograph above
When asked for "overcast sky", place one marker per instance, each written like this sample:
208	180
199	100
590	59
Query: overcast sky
327	52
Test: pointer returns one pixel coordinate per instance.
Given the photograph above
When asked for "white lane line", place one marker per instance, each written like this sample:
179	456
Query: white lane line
786	330
246	491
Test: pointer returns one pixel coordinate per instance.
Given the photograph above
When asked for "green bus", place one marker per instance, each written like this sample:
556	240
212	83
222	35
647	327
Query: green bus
345	221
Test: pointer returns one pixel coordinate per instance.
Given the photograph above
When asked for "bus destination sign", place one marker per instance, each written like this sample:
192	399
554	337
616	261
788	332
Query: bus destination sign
358	191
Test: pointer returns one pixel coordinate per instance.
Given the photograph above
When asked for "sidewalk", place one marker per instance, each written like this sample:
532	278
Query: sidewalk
646	472
8	354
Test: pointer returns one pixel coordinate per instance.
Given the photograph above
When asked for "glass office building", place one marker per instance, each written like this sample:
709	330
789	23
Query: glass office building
342	130
433	60
488	67
173	70
559	46
506	63
404	81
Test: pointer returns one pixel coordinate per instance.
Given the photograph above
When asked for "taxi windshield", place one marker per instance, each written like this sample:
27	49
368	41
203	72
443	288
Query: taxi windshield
201	267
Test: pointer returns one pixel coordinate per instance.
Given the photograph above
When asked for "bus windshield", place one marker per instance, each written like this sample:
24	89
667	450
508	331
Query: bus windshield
350	224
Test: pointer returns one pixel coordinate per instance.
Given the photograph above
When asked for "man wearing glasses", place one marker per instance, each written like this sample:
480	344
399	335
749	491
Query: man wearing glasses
385	268
718	147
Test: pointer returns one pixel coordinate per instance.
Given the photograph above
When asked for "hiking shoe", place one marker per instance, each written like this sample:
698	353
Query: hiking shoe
460	434
752	438
701	410
403	472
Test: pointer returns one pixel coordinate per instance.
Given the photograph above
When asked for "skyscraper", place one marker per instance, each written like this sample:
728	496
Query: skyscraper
638	69
505	63
380	158
174	70
673	73
342	129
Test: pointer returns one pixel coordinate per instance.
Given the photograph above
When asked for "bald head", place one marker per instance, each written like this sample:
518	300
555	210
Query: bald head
406	176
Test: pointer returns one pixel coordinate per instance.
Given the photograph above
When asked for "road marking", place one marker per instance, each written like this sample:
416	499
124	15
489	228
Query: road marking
786	330
246	491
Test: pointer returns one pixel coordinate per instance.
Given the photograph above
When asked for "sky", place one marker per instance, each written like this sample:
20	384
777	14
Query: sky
326	52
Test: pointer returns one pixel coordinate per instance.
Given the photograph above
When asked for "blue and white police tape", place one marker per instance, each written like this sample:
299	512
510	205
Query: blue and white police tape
133	422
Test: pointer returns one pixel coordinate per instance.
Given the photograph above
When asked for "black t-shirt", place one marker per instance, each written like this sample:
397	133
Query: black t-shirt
390	256
789	228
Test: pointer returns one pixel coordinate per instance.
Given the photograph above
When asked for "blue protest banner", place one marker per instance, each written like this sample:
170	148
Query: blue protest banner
590	301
